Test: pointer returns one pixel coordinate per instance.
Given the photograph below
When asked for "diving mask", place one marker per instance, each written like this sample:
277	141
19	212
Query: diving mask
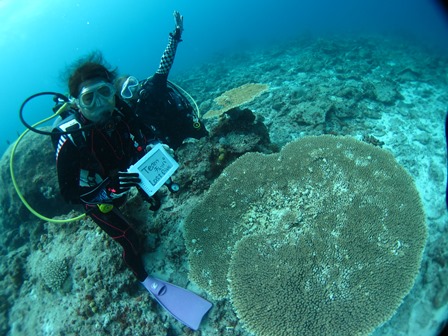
97	101
130	88
94	95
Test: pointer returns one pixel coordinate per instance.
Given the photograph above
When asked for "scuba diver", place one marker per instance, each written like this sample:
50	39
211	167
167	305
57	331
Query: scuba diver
117	128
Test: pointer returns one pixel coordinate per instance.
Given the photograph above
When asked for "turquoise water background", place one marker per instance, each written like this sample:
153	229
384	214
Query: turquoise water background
39	38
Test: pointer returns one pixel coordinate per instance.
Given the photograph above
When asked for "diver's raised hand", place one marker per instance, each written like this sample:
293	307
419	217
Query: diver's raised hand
179	21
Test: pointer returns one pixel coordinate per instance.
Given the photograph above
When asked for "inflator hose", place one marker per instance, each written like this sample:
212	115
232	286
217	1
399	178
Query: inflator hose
11	160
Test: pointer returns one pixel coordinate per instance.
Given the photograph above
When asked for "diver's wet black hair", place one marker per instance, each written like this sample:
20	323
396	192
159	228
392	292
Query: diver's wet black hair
89	67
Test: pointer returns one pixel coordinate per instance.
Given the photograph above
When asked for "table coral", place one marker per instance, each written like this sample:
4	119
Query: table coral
324	238
236	97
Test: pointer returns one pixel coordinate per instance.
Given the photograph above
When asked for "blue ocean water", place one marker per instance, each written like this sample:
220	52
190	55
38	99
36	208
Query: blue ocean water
39	38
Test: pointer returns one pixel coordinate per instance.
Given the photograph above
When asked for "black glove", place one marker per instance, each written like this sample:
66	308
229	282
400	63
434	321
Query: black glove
121	183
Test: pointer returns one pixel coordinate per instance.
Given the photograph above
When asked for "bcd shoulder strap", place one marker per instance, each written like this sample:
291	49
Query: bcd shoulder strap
70	124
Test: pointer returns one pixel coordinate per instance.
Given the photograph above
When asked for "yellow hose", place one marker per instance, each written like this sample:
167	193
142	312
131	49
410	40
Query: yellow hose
14	182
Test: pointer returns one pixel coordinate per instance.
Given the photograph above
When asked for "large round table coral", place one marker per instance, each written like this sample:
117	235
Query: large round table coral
324	238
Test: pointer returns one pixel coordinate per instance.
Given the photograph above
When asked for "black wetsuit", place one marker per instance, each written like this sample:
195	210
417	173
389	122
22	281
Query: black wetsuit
159	106
84	165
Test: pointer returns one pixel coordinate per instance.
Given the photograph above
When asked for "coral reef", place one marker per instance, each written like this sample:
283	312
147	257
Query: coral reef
237	132
333	85
35	172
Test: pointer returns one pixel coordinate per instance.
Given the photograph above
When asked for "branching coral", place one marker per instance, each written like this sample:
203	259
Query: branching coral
54	273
